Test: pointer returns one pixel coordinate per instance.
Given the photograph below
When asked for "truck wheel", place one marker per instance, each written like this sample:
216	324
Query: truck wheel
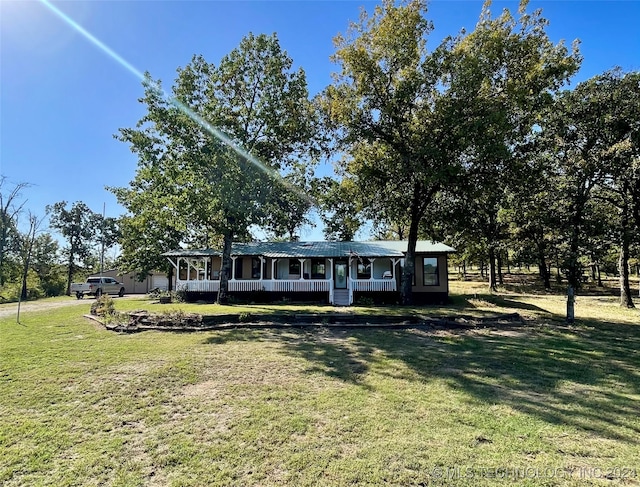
79	295
121	293
98	293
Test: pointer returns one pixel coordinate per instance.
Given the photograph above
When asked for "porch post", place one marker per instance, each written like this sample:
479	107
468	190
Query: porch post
371	260
261	268
273	269
330	267
233	268
301	268
394	263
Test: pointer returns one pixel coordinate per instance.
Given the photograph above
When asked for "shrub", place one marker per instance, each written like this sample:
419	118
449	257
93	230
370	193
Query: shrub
103	306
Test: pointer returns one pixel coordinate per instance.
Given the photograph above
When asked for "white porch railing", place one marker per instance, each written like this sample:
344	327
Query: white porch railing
299	285
198	286
246	286
373	285
279	285
289	285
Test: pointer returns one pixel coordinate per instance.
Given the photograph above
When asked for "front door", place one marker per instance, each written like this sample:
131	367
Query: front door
340	274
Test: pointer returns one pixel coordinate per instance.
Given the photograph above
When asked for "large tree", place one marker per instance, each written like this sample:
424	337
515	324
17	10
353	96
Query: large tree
80	227
213	151
503	76
592	135
414	121
389	110
617	97
11	205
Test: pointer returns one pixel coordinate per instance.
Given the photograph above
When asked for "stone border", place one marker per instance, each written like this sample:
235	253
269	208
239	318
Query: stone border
146	321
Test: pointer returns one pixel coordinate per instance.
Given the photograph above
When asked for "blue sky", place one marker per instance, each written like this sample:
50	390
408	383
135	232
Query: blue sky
62	99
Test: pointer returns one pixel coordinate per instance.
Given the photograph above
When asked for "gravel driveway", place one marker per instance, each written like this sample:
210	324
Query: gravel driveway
10	309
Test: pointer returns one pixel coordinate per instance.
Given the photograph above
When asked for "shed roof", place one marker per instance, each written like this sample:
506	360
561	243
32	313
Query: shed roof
318	249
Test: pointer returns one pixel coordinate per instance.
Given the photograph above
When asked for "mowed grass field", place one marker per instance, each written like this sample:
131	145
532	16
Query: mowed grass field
538	403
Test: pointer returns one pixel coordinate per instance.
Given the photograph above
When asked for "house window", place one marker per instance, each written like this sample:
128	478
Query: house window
239	268
294	267
255	267
430	271
318	269
364	269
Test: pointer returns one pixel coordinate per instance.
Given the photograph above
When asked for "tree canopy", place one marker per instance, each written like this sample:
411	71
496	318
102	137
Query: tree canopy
211	155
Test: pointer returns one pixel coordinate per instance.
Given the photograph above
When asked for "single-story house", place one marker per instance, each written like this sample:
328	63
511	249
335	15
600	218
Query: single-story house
154	280
338	273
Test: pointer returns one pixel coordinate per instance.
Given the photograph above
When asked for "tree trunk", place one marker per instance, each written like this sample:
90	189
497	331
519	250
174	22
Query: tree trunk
543	269
225	269
482	273
27	262
406	284
70	272
464	269
626	300
499	268
492	269
598	276
170	276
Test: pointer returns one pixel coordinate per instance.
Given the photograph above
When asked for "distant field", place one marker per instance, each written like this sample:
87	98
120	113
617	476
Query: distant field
535	404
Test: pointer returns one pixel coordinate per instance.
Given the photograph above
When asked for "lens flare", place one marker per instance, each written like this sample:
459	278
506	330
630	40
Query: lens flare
217	133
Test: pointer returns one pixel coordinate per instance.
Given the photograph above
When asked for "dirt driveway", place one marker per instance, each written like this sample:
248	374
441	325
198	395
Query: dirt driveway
10	309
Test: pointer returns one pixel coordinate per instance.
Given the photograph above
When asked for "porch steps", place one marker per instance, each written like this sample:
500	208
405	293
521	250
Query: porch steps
341	297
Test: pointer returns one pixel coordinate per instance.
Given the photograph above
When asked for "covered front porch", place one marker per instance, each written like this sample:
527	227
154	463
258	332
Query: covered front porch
337	278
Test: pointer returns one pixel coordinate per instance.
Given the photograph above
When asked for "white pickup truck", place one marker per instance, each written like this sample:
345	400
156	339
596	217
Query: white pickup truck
97	286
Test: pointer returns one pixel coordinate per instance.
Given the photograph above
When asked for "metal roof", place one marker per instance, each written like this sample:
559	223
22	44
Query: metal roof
318	249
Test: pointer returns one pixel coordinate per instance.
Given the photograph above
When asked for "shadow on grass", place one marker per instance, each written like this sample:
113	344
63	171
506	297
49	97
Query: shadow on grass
586	376
502	302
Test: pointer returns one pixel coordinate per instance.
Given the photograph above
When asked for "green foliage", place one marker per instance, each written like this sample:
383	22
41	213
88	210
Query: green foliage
10	208
244	317
209	156
416	122
341	211
82	229
103	306
365	301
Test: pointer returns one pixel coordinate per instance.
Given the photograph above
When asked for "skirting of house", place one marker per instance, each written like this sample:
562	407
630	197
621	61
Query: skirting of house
261	297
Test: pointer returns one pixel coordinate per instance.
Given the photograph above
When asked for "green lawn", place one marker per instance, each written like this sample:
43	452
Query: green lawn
539	404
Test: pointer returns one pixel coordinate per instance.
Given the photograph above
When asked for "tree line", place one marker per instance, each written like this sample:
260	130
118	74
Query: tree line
477	141
34	262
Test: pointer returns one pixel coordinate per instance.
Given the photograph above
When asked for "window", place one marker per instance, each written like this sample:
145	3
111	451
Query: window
364	270
255	267
430	271
294	267
239	268
318	269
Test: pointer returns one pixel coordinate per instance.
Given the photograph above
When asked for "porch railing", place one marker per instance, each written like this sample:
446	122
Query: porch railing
198	286
288	285
279	285
373	285
299	285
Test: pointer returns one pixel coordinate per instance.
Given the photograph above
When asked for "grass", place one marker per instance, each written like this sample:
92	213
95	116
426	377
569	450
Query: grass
539	404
